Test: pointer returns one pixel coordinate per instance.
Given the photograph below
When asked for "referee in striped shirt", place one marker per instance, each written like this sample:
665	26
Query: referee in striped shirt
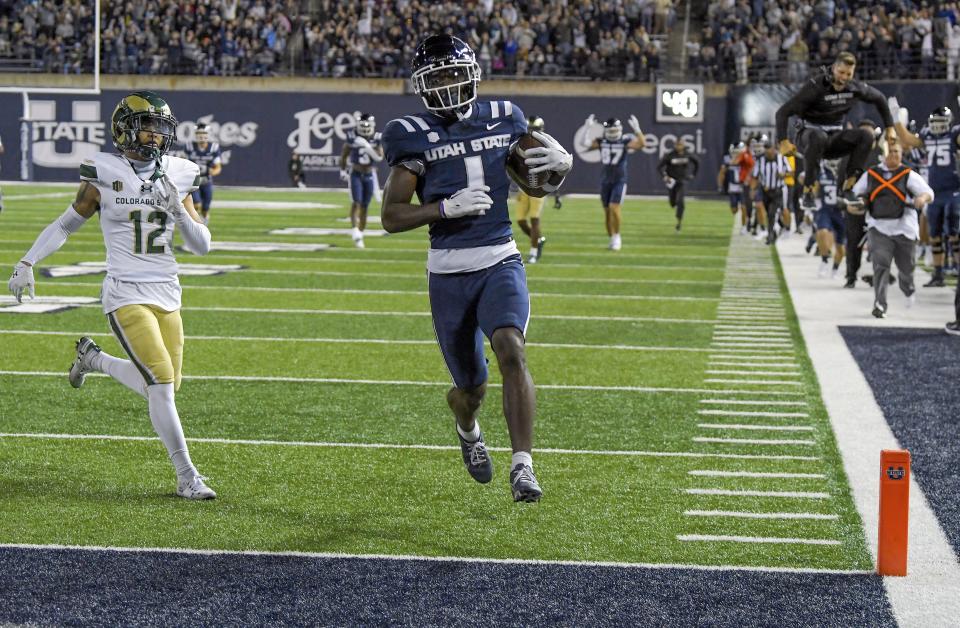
768	186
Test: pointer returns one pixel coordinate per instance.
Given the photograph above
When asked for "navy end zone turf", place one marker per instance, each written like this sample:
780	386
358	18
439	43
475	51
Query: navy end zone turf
915	377
82	587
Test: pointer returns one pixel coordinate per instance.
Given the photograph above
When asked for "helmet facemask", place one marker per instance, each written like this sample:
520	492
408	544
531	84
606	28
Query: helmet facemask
164	126
366	127
939	124
613	132
447	87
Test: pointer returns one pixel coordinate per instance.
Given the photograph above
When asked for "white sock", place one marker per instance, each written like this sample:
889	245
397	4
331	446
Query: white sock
124	371
533	252
521	457
166	423
356	234
473	435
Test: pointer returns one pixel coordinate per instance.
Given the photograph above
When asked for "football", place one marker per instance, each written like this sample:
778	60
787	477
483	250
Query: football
518	170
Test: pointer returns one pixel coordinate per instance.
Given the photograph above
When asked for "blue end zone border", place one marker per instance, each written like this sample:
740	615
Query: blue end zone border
83	587
915	377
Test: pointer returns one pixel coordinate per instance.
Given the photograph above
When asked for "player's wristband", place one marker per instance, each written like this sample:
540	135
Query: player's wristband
443	214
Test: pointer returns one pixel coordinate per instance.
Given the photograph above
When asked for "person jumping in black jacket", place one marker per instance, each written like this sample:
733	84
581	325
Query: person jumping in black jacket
820	107
676	168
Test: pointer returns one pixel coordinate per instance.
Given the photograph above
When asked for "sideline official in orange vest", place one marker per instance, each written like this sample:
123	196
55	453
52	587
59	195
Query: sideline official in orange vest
893	196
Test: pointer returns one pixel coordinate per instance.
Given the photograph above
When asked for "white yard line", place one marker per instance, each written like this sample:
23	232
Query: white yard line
753	441
711	473
755	382
754	365
722	492
377	341
762	373
930	594
431	559
711	412
379	382
328	444
748	426
760	515
753	402
723	538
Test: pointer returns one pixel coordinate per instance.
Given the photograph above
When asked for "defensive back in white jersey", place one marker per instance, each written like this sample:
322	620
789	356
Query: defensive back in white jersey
137	232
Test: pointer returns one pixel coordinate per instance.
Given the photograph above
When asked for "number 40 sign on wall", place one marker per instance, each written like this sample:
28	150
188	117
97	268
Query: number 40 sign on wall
679	102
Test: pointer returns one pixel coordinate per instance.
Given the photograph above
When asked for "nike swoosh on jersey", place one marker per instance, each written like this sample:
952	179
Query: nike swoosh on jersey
493	126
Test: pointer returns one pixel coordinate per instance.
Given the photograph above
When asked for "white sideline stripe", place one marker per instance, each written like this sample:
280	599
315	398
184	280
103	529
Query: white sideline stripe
930	595
766	382
744	493
754	539
761	373
754	441
754	474
712	412
550	295
338	380
748	426
737	355
326	444
379	341
752	402
435	559
791	365
760	515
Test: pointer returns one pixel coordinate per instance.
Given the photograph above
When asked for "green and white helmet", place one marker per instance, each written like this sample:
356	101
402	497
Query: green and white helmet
143	111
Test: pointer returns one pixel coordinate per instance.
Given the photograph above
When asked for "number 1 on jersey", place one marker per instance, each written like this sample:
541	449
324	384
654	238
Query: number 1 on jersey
474	166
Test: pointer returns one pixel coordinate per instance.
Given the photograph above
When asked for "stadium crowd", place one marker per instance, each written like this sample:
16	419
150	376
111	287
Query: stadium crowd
612	39
781	40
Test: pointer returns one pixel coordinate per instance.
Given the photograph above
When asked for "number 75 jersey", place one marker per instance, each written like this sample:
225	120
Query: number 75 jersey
448	155
137	232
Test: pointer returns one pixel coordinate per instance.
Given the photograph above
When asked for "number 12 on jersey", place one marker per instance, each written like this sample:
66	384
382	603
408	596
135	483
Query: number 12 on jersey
158	217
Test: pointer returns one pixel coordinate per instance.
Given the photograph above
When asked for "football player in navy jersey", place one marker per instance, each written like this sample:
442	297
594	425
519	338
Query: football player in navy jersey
454	158
940	138
205	154
830	226
613	147
361	152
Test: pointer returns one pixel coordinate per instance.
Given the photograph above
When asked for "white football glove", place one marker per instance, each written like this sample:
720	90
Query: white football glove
21	280
669	182
169	196
551	156
634	124
894	107
361	142
467	202
591	120
344	174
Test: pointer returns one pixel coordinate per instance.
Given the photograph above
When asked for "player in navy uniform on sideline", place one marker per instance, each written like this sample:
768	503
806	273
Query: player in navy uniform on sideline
362	150
613	147
454	158
830	226
940	138
205	154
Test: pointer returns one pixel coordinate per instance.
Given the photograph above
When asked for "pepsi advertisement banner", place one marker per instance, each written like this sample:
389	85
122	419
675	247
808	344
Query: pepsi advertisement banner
258	132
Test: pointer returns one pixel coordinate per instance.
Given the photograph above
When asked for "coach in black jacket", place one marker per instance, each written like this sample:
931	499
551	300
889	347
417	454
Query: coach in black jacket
820	107
676	167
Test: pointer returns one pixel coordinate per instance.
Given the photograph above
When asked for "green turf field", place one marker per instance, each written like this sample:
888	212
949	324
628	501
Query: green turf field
315	397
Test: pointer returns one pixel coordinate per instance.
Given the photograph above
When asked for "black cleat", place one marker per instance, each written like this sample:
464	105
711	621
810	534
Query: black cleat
557	203
867	279
936	282
540	243
524	484
851	283
807	202
952	328
879	312
476	459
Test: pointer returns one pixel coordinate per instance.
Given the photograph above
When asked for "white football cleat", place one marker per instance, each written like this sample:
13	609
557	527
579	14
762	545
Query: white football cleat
86	351
192	487
911	300
835	272
823	270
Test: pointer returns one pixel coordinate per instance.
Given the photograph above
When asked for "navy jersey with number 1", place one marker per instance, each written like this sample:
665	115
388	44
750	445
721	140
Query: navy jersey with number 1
450	154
